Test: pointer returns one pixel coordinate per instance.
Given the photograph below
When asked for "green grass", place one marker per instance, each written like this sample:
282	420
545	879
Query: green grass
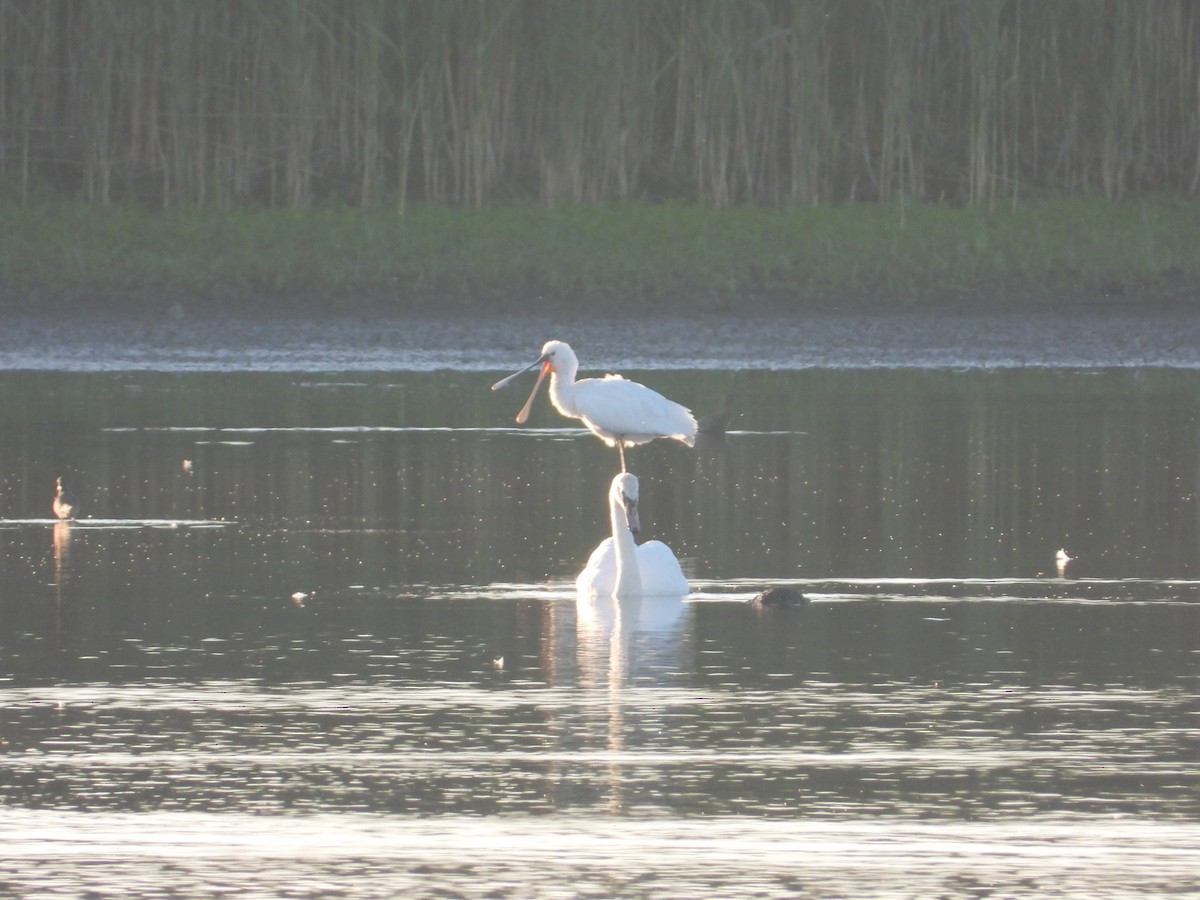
681	256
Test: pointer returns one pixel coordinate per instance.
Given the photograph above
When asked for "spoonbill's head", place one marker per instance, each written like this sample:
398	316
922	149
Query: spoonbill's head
624	493
557	356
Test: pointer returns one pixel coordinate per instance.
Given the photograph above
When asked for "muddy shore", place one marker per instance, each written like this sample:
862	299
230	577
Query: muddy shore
178	340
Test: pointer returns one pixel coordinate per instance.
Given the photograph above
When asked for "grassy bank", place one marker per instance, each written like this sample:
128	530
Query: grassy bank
656	256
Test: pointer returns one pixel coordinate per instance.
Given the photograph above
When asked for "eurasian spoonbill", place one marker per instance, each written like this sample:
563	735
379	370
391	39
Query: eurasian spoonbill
621	413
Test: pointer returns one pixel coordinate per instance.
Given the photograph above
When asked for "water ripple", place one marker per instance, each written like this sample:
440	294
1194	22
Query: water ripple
379	856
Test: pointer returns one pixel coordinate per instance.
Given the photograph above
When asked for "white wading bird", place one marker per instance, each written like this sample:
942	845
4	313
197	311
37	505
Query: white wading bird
619	567
1062	559
65	504
621	413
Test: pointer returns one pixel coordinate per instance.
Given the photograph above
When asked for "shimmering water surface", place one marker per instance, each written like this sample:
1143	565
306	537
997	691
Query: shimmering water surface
318	637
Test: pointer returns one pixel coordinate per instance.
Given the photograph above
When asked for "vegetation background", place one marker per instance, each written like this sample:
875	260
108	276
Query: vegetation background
705	153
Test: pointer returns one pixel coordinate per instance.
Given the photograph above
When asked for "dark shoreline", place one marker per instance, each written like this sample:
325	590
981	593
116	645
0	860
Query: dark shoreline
1176	293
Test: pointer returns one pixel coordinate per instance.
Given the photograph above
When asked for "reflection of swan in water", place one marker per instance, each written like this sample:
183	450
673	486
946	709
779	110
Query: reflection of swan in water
62	551
66	504
62	571
619	566
620	640
657	620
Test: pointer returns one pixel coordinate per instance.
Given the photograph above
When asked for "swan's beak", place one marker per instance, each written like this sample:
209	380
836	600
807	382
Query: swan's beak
524	413
631	515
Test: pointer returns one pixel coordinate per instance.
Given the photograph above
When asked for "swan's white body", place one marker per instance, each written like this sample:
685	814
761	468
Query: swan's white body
621	568
621	413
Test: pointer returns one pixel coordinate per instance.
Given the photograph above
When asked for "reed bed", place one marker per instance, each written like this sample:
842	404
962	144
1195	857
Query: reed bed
291	103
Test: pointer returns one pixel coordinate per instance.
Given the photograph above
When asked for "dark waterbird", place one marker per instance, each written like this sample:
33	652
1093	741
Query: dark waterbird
779	598
717	422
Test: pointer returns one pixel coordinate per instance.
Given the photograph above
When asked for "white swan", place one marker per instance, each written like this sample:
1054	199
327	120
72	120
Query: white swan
619	567
621	413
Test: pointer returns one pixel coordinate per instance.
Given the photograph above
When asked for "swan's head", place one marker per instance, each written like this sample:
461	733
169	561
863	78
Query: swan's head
624	493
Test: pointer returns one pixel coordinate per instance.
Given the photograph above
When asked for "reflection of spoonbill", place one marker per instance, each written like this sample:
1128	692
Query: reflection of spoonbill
621	413
618	566
65	505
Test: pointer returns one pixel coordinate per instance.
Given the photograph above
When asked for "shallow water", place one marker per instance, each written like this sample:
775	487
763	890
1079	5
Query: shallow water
338	651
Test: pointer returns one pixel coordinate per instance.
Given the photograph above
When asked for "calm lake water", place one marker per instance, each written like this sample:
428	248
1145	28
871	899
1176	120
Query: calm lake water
318	637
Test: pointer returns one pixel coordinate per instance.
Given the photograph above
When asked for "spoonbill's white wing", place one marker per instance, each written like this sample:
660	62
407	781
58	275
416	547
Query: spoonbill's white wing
613	407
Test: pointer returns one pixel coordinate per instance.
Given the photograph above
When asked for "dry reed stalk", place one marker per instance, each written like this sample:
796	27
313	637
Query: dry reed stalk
290	102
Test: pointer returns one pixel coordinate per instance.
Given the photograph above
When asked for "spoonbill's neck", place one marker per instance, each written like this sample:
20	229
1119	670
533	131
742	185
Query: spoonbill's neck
562	390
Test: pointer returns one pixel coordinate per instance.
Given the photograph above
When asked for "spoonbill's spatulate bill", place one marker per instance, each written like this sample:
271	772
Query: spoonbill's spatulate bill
621	568
621	413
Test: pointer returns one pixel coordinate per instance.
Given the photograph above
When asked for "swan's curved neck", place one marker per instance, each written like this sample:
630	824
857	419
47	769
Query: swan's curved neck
629	579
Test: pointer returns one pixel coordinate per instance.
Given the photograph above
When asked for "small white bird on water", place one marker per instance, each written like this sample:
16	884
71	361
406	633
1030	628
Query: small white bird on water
1062	559
65	504
619	567
621	413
